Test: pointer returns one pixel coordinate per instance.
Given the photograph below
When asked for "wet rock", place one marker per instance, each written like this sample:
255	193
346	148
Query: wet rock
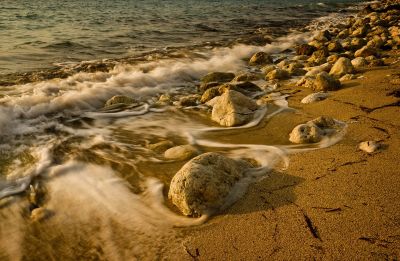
243	87
323	36
233	108
357	43
120	99
314	97
246	77
359	62
202	185
161	146
369	146
341	67
335	46
332	58
277	74
220	77
343	34
325	82
361	31
205	86
268	68
300	57
210	94
376	42
365	52
314	130
182	152
305	49
190	100
260	58
40	214
347	77
319	56
164	99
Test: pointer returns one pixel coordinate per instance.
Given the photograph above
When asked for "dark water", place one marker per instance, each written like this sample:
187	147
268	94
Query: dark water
38	34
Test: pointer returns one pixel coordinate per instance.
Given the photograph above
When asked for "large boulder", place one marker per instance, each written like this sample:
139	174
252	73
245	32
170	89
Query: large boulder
233	108
217	77
260	58
202	185
342	67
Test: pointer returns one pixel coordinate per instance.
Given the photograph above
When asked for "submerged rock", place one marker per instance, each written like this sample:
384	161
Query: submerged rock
233	108
260	58
182	152
203	184
217	77
160	146
120	99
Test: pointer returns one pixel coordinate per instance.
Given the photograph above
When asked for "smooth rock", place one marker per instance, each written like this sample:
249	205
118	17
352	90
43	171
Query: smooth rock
306	133
202	185
277	74
246	77
341	67
314	97
160	146
233	108
365	52
325	82
359	62
182	152
369	146
190	100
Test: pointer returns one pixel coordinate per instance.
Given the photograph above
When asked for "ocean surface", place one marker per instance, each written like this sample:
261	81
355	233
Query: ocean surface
37	34
90	166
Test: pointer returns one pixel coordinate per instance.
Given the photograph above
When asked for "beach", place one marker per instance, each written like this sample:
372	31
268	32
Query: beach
284	150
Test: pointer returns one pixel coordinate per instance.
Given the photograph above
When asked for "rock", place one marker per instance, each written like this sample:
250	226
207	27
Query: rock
246	77
202	185
359	62
314	97
120	99
325	82
190	100
297	71
343	34
316	44
160	146
361	31
205	86
244	87
210	94
376	42
347	77
365	52
323	36
341	67
305	49
233	108
164	99
335	46
314	71
319	56
268	68
260	58
277	74
357	43
282	64
369	146
182	152
220	77
39	214
313	131
332	58
300	57
306	82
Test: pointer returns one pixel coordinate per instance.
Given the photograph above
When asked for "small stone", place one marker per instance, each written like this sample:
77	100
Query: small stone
359	62
220	77
160	146
305	133
347	77
277	74
39	214
369	146
314	97
365	52
341	67
260	58
120	99
325	82
182	152
190	100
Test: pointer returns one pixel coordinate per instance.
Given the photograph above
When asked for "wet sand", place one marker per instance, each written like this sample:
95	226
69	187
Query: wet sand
330	204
